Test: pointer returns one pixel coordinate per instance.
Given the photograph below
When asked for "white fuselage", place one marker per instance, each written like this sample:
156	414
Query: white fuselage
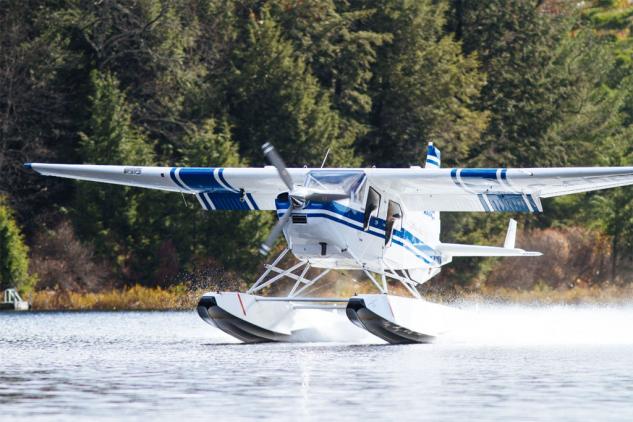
332	235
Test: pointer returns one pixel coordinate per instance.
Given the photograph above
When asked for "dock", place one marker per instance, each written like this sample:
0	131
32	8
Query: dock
11	301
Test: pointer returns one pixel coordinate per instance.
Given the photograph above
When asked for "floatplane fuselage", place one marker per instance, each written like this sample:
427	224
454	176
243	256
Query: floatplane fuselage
383	222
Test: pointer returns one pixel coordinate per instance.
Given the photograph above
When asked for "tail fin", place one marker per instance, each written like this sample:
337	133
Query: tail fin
433	157
511	235
433	226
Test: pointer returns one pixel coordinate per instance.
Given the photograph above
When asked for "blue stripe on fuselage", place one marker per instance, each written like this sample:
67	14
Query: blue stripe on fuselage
357	217
403	234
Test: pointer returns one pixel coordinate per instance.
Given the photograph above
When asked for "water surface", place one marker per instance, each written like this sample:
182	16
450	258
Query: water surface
502	363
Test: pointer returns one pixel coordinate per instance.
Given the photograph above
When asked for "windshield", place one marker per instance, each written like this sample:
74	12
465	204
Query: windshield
345	181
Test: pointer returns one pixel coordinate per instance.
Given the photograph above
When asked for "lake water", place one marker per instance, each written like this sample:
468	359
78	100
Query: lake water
502	363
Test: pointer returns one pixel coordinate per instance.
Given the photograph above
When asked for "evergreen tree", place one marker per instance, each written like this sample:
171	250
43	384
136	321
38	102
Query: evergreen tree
109	214
591	110
148	44
111	135
423	86
519	46
210	145
275	98
553	101
34	116
227	239
341	50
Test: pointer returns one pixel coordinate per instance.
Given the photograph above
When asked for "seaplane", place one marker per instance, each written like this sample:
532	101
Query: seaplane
383	222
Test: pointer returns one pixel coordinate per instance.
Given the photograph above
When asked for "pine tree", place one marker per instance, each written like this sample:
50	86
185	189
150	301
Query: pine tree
229	238
210	145
34	117
108	214
275	98
111	135
341	50
150	46
556	98
519	46
423	86
593	108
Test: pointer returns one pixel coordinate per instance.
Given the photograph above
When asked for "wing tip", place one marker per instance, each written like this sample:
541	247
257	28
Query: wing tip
532	253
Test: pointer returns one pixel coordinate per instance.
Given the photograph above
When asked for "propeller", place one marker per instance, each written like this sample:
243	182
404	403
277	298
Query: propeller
275	159
298	196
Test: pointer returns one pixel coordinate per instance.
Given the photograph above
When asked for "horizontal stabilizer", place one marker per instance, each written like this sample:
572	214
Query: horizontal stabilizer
454	249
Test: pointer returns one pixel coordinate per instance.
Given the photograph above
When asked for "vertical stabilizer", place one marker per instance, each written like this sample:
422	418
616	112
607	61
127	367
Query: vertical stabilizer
432	225
433	157
511	235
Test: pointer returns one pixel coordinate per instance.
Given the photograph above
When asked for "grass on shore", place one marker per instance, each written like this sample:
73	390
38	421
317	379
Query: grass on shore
181	297
133	298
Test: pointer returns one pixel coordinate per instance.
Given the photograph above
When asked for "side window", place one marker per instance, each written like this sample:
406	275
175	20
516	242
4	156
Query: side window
372	207
394	220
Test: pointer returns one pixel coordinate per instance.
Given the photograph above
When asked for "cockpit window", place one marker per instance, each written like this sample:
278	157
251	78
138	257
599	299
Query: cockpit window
344	181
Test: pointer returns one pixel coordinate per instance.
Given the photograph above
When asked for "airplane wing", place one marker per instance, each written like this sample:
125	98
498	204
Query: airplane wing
495	189
421	189
216	188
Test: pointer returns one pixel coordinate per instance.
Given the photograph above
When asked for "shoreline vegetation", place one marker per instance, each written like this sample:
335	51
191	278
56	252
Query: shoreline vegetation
182	298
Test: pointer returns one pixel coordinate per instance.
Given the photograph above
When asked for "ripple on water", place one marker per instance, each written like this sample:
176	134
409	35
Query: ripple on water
499	363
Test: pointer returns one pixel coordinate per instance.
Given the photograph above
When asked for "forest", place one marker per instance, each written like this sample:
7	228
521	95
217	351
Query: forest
512	83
